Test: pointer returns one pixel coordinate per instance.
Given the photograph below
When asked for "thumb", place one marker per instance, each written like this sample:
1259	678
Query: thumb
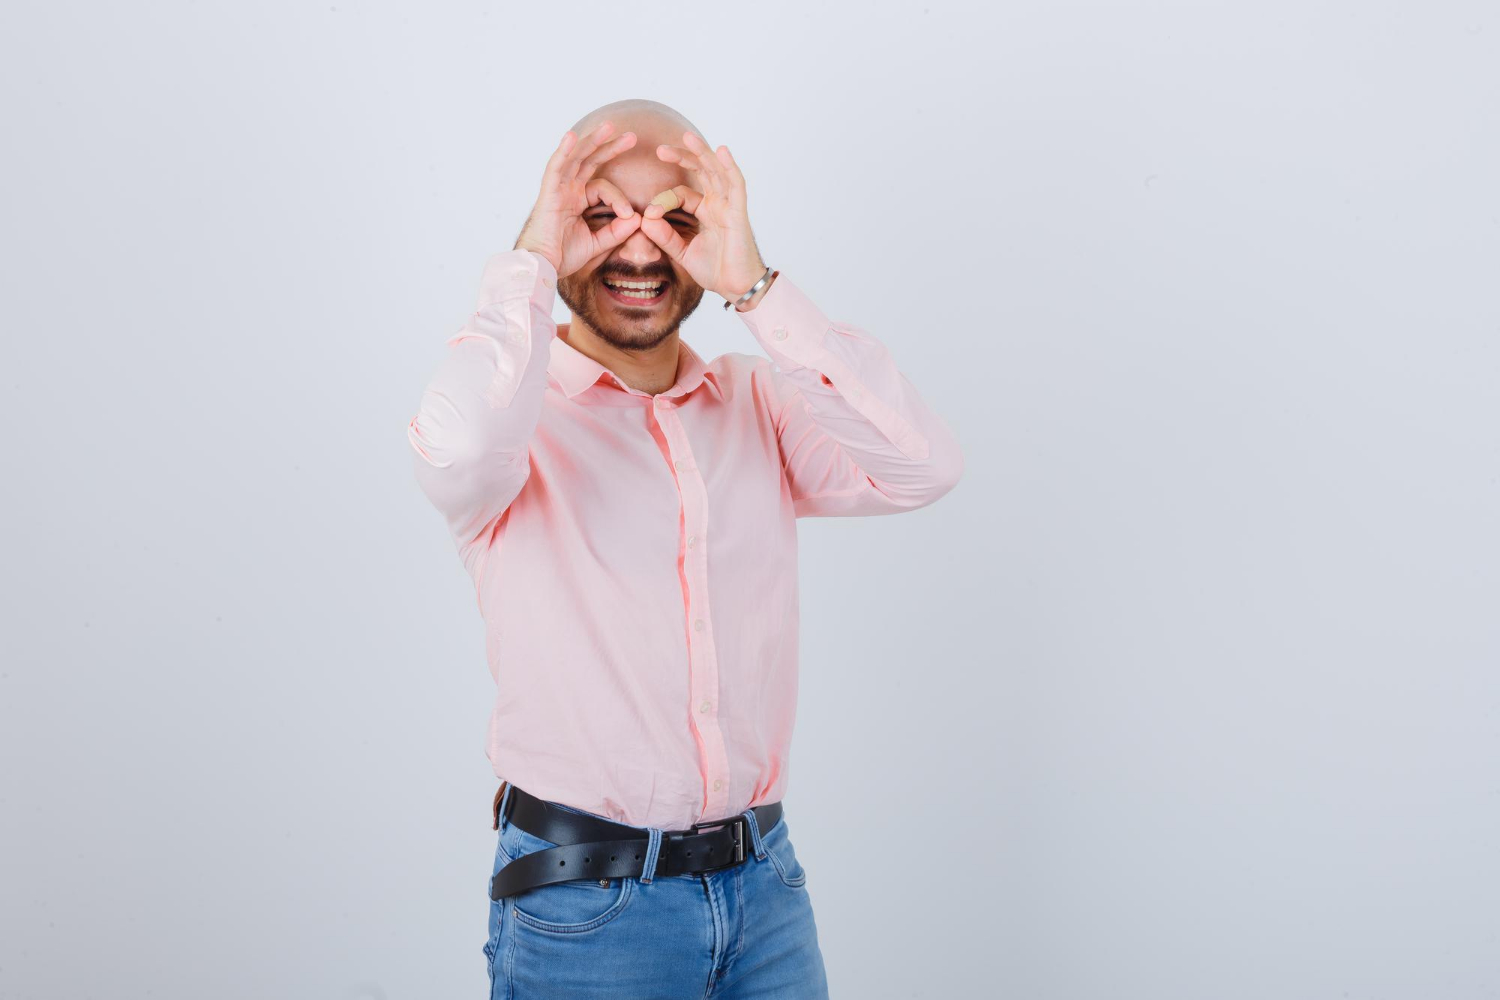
660	232
612	235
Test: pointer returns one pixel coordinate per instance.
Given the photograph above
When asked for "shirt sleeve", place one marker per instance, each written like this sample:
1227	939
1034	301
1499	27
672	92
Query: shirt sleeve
855	437
471	433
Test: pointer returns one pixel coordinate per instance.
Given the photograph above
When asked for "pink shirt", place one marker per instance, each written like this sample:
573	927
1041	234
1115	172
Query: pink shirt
635	556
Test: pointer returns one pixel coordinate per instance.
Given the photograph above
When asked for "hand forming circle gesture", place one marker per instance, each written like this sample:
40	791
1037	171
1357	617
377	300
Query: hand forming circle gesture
722	257
556	228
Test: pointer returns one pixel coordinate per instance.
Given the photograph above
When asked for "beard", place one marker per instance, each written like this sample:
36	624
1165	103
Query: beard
621	326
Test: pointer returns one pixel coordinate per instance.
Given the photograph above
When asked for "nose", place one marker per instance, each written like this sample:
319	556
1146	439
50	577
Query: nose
640	249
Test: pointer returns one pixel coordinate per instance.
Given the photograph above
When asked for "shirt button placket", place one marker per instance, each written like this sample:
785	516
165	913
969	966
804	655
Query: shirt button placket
703	680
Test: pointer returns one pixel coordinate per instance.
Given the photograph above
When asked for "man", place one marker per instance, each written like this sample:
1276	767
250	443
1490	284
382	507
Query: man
627	512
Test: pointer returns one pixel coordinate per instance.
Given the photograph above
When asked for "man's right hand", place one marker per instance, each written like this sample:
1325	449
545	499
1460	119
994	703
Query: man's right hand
556	228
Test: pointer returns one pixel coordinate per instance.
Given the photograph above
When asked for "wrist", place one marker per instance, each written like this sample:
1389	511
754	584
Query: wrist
556	264
755	299
740	286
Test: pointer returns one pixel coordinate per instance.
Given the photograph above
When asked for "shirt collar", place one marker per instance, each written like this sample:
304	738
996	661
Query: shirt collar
576	371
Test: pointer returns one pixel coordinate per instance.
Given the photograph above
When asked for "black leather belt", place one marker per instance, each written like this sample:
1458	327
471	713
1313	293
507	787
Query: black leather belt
590	847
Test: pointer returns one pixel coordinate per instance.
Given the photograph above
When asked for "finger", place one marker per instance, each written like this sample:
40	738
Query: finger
605	153
676	154
584	148
660	232
681	196
691	161
612	235
601	192
553	170
732	173
711	164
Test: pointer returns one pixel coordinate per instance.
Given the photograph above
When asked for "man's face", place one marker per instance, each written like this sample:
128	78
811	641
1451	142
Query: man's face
624	320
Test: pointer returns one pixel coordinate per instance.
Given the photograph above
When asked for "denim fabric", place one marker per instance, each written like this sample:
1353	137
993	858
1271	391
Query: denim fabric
742	932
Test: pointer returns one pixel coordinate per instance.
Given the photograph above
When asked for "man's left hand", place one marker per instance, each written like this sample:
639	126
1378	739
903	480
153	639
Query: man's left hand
721	257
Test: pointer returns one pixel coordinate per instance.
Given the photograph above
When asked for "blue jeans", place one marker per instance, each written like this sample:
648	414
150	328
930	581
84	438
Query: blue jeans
737	933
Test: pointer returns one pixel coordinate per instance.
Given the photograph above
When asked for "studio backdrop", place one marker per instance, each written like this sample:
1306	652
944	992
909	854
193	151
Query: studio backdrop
1187	689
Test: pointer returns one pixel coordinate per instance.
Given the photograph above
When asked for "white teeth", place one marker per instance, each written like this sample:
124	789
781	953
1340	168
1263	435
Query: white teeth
635	289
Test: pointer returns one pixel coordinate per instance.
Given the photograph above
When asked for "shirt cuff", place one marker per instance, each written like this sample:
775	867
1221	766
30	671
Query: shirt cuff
788	325
518	274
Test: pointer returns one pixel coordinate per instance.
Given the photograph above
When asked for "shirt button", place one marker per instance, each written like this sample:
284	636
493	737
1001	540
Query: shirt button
692	540
681	463
698	625
705	706
517	335
718	784
547	281
780	333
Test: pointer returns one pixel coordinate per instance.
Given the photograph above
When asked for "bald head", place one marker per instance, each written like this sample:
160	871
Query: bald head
651	121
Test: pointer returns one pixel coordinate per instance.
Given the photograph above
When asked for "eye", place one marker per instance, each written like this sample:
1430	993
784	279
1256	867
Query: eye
678	220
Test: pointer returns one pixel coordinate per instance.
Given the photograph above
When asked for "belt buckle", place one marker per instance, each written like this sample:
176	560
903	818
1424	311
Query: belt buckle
737	855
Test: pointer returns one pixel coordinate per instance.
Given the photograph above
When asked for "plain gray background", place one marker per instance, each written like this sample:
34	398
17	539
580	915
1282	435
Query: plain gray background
1189	690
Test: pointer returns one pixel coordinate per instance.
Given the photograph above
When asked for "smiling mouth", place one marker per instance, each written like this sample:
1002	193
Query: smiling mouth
637	294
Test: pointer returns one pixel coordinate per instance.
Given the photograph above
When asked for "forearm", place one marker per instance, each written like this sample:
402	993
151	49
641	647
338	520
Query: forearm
472	431
853	394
